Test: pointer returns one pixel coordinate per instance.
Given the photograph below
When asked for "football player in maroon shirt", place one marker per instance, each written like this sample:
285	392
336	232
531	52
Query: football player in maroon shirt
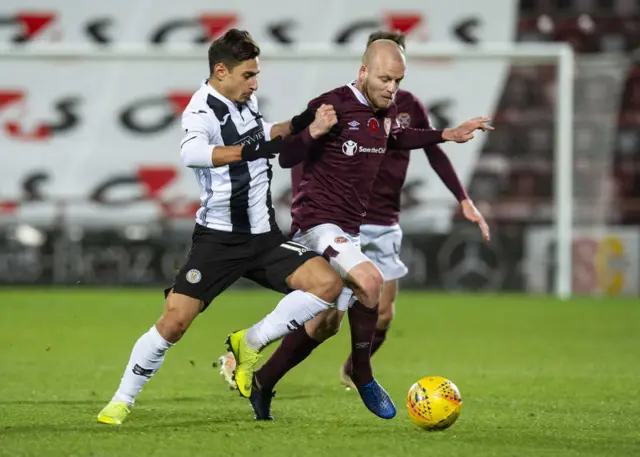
338	171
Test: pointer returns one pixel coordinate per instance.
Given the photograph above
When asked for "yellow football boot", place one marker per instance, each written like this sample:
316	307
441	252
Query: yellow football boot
246	360
114	413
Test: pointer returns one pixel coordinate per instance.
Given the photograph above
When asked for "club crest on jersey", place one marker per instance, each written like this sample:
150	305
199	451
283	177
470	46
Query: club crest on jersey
373	125
354	125
194	276
403	120
387	126
341	240
349	147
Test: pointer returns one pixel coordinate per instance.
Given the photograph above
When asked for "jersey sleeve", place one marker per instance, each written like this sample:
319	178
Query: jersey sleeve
438	159
420	117
202	135
419	135
412	138
267	129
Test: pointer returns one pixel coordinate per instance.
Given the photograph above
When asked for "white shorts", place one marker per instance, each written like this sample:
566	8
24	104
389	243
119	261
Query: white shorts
341	249
381	244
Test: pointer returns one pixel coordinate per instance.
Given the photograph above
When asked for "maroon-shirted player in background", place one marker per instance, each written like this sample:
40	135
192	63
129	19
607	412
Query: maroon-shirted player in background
380	234
338	173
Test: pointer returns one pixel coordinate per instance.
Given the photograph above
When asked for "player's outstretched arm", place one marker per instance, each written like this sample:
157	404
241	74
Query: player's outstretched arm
411	138
282	129
202	145
438	159
249	152
443	167
295	125
198	153
295	148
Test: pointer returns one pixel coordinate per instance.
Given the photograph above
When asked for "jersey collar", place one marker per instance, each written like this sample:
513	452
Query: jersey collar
361	98
219	96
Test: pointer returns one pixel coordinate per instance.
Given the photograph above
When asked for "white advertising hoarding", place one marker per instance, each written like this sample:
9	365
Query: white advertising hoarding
95	133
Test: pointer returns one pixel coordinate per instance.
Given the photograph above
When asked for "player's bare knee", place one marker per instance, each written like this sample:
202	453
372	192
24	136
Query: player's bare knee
178	314
371	287
166	326
172	325
367	283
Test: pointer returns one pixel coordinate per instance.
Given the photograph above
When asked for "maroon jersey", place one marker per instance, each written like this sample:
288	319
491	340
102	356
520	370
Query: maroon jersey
384	202
338	172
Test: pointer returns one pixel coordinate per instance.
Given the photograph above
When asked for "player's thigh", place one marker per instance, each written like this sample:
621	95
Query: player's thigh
382	245
176	303
212	265
317	277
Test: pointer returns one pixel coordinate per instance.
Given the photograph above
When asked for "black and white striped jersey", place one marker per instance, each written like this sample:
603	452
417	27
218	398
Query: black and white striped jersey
236	197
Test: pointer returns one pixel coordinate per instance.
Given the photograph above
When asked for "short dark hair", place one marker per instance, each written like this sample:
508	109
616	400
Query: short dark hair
232	48
396	37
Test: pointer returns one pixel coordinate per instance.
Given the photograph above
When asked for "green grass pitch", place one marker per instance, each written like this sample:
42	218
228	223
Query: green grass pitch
538	377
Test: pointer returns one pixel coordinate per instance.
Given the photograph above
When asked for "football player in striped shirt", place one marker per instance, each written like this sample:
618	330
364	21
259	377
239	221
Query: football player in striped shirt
228	145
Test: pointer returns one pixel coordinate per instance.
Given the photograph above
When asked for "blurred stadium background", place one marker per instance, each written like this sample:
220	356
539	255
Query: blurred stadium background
93	190
93	193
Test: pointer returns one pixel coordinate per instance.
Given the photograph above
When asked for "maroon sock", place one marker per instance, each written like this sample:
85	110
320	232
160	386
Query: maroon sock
362	321
378	338
295	347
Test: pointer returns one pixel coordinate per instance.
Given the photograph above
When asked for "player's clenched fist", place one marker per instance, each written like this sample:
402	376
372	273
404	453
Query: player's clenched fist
464	132
325	119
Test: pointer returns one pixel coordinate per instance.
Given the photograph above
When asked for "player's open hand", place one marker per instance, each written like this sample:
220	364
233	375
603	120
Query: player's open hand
464	132
472	214
325	119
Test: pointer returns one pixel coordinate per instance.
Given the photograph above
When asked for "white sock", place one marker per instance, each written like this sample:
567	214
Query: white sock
293	311
146	358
